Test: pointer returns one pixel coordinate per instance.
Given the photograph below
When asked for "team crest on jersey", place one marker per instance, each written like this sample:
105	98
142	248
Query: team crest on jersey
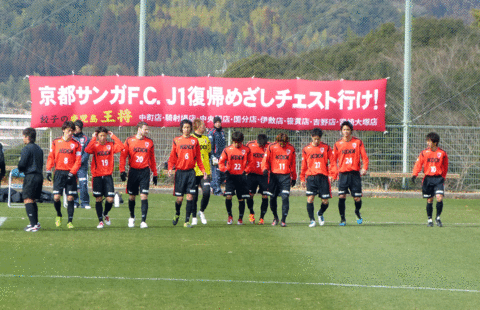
243	152
193	141
288	152
146	144
439	155
354	145
108	147
72	146
322	149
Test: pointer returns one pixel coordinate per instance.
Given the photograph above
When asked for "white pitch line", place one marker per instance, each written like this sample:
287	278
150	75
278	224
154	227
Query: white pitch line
244	281
2	220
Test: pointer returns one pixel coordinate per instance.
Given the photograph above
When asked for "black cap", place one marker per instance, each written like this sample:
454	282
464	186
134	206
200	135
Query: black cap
217	119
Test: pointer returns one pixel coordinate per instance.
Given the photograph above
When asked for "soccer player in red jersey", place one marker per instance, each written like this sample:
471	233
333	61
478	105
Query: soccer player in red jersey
347	153
183	157
65	157
315	170
255	178
435	166
102	170
140	151
279	160
233	162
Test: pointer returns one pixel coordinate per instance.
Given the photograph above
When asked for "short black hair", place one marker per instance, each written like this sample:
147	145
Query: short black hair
317	132
434	137
282	137
186	121
68	124
101	129
79	123
217	119
141	124
262	139
237	136
31	133
346	123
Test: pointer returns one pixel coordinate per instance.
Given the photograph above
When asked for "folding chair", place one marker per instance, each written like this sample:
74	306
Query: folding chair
14	174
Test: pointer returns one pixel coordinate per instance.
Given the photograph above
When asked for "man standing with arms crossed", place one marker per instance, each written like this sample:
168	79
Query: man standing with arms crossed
65	156
31	163
102	169
435	166
183	157
140	152
347	152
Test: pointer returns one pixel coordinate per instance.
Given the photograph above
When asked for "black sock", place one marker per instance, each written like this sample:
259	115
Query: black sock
341	208
228	205
429	209
189	210
144	209
58	207
310	210
323	208
194	206
35	212
263	207
30	212
205	200
439	208
241	209
108	207
285	207
273	207
131	207
70	210
358	206
178	205
99	209
250	205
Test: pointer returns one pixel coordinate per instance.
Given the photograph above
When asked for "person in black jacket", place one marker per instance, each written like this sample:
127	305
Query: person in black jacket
31	163
2	163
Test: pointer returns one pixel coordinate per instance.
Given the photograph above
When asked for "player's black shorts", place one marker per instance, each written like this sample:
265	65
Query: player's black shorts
350	183
32	186
138	179
103	186
184	182
60	182
236	184
257	181
433	185
319	185
204	184
279	184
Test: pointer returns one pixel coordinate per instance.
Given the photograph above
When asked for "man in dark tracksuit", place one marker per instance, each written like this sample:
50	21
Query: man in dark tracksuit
31	163
218	141
82	173
2	163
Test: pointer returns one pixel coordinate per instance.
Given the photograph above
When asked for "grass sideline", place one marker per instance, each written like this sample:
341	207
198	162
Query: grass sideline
392	261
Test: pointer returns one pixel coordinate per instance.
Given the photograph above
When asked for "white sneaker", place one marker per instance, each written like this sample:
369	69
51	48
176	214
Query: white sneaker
194	221
312	224
202	218
321	220
107	220
88	207
143	225
100	225
131	222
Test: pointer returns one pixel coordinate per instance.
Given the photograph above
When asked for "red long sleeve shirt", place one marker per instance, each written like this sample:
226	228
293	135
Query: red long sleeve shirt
185	154
280	160
347	154
315	160
65	155
234	159
140	154
435	163
258	152
103	160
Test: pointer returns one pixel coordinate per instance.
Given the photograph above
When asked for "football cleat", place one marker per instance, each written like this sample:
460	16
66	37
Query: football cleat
88	207
261	222
230	220
312	224
359	221
100	225
252	218
439	223
284	225
70	225
31	228
131	222
343	223
194	221
58	221
321	220
107	220
202	218
275	222
175	219
187	225
143	225
240	222
430	224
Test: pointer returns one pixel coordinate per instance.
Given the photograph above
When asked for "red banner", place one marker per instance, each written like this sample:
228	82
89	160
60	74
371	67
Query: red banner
241	102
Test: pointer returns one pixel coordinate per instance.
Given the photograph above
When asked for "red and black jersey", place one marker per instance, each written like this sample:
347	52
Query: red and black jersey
435	163
65	155
102	160
234	159
258	152
280	160
315	160
185	154
347	154
141	154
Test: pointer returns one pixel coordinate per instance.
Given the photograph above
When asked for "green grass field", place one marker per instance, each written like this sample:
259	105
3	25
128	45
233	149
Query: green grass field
392	261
